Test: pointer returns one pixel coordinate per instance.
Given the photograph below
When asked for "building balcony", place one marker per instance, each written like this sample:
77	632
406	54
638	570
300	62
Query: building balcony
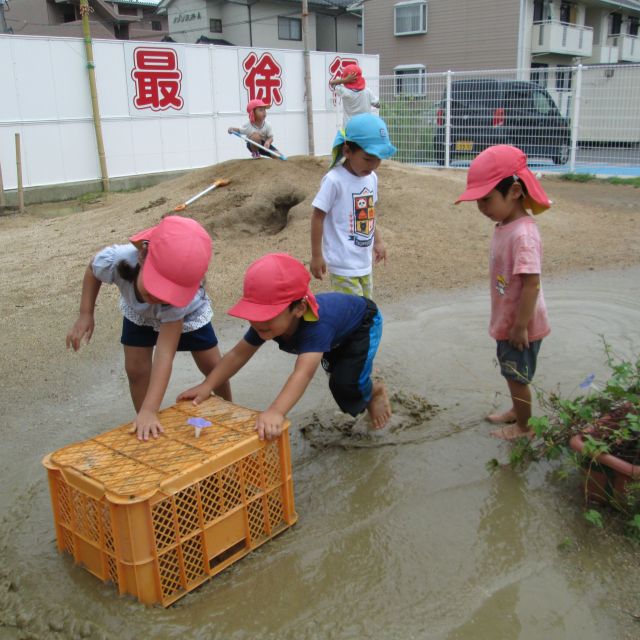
628	47
603	54
562	38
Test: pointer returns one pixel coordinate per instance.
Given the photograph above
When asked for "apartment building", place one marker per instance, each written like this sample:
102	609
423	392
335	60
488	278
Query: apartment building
265	23
109	19
424	36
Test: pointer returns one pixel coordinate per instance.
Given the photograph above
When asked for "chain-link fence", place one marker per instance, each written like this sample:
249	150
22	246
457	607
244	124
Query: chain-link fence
566	116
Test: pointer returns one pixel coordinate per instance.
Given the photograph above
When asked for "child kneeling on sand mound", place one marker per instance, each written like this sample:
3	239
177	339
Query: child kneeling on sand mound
339	330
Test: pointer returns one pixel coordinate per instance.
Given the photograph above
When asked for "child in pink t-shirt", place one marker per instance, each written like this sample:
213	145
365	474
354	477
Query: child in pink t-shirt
504	188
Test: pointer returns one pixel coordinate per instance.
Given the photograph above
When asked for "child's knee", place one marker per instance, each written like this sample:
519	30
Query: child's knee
137	370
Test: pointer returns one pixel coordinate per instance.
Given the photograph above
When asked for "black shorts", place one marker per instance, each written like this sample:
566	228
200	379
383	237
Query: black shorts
518	365
350	365
135	335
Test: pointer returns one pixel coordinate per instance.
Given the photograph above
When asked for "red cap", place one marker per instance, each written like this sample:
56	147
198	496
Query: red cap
252	105
358	84
497	163
271	284
177	259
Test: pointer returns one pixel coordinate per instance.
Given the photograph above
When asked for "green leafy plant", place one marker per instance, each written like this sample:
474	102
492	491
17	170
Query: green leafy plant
607	420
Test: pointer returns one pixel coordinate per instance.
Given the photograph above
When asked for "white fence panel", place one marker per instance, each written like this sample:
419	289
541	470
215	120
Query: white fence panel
568	117
164	109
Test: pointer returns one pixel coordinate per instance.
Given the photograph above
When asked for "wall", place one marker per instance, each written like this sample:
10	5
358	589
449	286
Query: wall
47	101
461	35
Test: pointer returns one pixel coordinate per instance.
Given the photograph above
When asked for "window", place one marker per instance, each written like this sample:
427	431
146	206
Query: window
410	18
410	79
359	34
215	25
539	73
127	11
541	10
542	103
633	26
563	79
289	28
615	24
156	25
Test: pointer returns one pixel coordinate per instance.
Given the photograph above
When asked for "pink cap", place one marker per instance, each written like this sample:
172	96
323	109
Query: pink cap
358	84
177	259
497	163
271	284
252	105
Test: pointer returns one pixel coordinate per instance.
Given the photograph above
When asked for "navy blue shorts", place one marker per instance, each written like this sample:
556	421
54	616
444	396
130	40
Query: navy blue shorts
134	335
350	365
518	365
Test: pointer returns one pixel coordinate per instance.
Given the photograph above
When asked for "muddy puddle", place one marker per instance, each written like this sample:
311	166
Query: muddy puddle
401	534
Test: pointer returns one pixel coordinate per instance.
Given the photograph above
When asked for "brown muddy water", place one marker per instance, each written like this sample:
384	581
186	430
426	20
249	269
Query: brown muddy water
401	534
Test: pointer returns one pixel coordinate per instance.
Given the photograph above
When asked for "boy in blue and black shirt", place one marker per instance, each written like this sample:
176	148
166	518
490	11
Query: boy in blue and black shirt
340	331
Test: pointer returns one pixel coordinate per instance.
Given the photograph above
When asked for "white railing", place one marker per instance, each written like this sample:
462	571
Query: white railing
628	47
552	36
564	117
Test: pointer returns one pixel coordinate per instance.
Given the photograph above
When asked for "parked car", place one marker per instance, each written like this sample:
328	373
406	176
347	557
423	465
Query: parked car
485	112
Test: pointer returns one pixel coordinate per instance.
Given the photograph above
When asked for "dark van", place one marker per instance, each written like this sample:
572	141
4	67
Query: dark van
485	112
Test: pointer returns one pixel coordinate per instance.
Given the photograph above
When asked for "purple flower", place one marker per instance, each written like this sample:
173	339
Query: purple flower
588	381
199	422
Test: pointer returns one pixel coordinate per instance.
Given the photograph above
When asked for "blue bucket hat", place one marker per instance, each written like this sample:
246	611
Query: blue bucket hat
369	132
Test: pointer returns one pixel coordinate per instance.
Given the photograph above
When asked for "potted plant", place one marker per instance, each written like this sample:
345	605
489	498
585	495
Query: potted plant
597	432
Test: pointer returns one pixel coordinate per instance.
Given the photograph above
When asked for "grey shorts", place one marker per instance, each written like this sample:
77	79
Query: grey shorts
518	365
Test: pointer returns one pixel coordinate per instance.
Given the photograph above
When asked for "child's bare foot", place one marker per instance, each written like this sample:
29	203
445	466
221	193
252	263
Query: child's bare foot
379	407
512	432
502	418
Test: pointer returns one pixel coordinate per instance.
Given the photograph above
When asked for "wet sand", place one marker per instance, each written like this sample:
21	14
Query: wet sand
402	533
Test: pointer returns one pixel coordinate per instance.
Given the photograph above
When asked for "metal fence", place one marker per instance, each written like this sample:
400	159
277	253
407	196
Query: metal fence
573	118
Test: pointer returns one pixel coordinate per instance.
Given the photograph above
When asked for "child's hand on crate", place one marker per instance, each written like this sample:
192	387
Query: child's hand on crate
198	394
269	424
146	423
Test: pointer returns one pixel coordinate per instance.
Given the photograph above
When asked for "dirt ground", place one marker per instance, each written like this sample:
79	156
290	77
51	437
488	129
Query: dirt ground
432	244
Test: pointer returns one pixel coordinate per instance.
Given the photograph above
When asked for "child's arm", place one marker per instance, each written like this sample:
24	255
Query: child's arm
230	364
318	266
269	422
379	247
350	78
84	325
519	334
146	422
233	130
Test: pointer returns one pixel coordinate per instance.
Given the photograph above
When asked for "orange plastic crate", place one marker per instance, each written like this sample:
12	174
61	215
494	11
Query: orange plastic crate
159	518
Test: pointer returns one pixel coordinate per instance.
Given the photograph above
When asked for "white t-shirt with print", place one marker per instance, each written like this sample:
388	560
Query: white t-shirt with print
349	226
355	102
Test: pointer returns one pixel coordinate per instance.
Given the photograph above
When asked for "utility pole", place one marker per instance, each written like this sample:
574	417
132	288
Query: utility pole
97	124
307	76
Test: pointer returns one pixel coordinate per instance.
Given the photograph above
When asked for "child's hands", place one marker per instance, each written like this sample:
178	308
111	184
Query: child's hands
519	337
350	78
269	424
318	267
232	130
380	252
197	394
145	424
82	329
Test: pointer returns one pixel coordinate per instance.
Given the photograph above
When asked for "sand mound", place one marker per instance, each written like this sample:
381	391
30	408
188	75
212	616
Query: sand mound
267	206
